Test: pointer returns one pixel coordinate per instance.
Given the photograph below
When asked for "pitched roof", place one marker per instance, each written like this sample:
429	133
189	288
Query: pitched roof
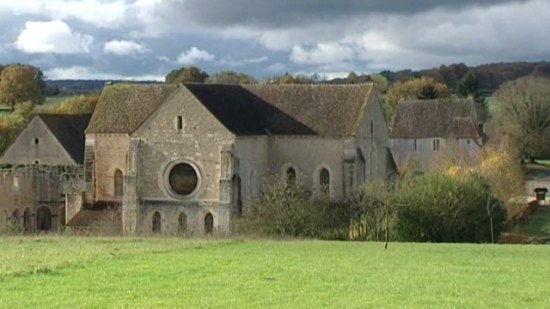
243	113
122	108
329	110
447	118
69	131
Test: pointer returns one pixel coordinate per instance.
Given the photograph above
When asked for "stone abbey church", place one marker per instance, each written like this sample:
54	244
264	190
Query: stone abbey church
190	157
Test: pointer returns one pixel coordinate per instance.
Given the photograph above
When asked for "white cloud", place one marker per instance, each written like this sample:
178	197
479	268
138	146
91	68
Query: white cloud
194	55
102	14
52	37
123	48
235	63
81	72
276	68
322	53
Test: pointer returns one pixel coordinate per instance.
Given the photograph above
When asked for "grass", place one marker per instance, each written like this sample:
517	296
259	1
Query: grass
153	272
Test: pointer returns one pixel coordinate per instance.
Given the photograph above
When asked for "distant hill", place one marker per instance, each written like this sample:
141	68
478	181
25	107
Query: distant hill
80	86
490	76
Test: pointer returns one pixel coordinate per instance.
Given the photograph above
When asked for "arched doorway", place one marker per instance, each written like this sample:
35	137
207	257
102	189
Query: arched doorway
43	219
15	218
182	221
208	223
156	222
118	183
27	226
3	219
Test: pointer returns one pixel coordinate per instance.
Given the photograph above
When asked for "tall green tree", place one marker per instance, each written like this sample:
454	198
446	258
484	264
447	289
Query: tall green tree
523	115
190	74
468	85
20	83
230	77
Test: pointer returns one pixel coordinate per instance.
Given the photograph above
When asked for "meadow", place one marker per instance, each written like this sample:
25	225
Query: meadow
56	271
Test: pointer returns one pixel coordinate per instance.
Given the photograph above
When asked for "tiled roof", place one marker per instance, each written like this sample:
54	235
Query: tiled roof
446	118
122	108
328	110
69	131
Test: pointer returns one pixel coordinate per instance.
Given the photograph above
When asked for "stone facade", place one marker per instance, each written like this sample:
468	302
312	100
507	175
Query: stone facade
431	133
225	153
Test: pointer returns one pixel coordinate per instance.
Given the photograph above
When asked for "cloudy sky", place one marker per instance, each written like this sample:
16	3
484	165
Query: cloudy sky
145	39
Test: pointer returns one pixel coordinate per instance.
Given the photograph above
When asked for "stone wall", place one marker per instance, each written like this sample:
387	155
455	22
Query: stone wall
110	153
162	145
29	192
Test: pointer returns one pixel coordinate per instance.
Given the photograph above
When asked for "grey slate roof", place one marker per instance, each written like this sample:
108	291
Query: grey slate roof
328	110
445	118
69	131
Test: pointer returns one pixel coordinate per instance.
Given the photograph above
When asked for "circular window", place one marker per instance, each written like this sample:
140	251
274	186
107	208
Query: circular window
183	179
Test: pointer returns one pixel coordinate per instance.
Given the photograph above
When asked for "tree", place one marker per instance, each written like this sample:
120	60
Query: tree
20	83
523	115
230	77
191	74
468	85
424	88
290	79
83	104
380	82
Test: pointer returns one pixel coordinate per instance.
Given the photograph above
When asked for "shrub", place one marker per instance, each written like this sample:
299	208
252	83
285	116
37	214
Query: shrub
443	208
370	213
292	211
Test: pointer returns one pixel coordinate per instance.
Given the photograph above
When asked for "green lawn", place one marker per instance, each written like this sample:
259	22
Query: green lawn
37	272
538	223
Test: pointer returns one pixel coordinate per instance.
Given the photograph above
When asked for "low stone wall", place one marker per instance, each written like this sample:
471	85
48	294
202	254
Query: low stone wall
32	198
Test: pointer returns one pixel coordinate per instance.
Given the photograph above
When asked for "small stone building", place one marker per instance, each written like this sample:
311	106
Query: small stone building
427	133
43	163
190	157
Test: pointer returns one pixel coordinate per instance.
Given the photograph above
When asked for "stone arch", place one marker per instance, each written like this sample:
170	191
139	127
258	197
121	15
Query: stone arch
290	176
236	198
27	225
15	217
324	181
156	224
43	219
182	222
3	218
208	223
118	183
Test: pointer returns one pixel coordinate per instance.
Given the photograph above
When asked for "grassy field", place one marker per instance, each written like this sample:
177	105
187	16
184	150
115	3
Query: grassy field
150	272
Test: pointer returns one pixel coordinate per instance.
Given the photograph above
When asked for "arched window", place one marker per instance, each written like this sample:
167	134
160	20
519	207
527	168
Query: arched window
43	219
118	183
27	220
236	194
156	222
208	223
324	181
290	176
182	221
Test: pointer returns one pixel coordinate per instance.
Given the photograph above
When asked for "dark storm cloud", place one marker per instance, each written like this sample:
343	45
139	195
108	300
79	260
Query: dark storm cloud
284	13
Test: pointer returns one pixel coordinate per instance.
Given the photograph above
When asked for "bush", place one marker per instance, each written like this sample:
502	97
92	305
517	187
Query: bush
370	213
442	208
292	211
